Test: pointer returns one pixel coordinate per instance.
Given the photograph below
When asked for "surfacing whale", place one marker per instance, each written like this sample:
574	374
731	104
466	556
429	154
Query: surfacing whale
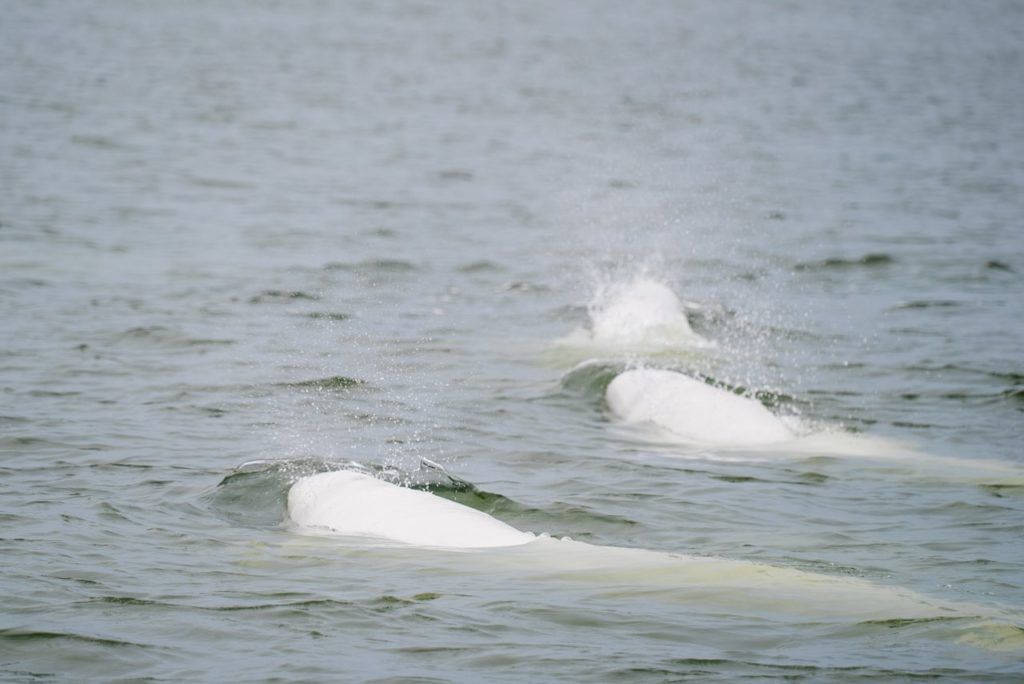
692	415
638	316
353	504
693	410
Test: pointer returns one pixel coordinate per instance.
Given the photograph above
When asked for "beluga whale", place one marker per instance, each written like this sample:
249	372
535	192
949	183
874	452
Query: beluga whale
356	507
692	410
354	504
691	414
638	316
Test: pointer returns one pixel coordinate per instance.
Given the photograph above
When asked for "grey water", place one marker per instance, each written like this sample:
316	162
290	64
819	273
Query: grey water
249	240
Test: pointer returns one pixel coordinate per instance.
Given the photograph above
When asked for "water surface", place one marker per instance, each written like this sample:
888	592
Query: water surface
303	234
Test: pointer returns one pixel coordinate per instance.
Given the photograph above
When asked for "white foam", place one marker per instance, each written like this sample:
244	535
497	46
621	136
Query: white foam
693	410
353	504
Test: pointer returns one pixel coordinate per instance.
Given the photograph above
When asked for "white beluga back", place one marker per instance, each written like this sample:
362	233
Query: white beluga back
353	504
693	410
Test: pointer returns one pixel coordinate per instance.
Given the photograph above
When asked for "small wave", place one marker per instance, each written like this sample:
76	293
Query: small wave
727	670
17	283
98	142
1011	377
996	265
929	304
524	286
17	634
126	601
282	295
912	425
1015	394
482	266
218	183
872	260
1015	378
296	606
17	441
327	315
51	393
164	336
590	378
557	519
373	266
1004	490
328	384
980	632
455	175
253	494
1012	395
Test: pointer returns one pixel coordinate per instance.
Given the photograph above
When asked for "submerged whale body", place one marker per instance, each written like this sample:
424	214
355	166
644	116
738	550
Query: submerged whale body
353	504
693	410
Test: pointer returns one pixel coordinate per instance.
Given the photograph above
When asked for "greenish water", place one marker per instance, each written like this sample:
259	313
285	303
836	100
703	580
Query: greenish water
245	242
